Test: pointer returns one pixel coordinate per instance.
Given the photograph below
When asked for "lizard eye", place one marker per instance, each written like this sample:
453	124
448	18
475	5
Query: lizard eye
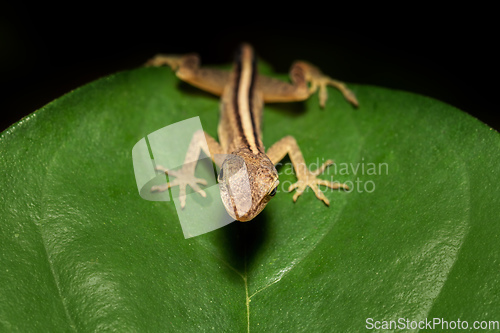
273	192
221	174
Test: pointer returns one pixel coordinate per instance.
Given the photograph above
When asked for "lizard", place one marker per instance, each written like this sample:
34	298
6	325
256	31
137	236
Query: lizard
243	93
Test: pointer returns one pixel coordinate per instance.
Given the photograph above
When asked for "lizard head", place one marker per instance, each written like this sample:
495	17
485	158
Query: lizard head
247	182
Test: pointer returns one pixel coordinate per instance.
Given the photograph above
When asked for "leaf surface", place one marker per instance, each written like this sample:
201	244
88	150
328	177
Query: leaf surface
416	238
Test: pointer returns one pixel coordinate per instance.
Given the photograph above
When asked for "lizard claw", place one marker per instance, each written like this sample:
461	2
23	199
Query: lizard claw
174	61
309	178
318	80
184	177
323	81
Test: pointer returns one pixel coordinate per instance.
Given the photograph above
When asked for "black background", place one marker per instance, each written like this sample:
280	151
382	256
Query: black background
45	53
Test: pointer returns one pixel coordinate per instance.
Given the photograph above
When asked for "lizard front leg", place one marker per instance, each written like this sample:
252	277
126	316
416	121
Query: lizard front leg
185	175
305	177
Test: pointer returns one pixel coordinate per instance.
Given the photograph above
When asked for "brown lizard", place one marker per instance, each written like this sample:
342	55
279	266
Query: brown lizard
243	93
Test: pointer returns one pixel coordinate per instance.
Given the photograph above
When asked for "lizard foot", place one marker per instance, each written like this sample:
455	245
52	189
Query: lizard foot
183	178
309	178
174	61
320	81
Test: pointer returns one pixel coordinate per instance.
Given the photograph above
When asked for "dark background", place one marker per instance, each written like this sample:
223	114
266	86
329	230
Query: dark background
46	53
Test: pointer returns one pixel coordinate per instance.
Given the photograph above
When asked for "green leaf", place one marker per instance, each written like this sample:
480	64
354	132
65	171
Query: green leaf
417	237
